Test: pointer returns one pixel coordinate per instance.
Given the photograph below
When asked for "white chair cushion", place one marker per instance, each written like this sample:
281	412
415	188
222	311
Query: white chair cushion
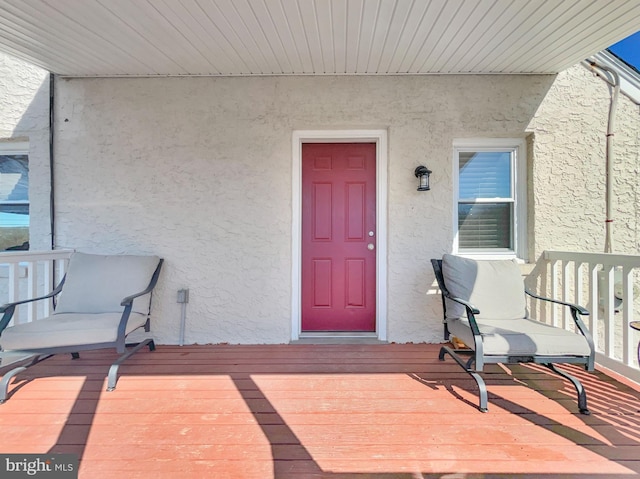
495	287
98	283
67	329
520	337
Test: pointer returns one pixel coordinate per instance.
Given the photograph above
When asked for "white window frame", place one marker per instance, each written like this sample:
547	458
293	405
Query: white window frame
518	147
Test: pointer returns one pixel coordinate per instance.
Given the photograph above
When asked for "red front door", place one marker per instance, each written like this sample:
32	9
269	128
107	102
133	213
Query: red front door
338	237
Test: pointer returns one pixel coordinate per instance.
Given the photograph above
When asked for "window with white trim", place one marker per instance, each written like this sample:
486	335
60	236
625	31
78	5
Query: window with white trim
490	197
14	195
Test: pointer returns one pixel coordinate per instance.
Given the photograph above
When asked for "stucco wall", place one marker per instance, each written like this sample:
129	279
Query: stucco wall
24	116
569	170
569	178
199	171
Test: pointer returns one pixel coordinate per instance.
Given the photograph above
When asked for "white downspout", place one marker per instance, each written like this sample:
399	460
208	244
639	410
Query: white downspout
603	281
608	244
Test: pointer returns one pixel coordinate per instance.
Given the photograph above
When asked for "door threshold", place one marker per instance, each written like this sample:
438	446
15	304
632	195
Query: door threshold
332	337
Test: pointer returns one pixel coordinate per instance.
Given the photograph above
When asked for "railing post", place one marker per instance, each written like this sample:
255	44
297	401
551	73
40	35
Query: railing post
565	293
48	285
628	349
14	289
609	311
32	289
578	276
593	302
554	291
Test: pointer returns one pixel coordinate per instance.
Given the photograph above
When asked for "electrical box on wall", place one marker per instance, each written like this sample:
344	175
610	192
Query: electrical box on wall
183	296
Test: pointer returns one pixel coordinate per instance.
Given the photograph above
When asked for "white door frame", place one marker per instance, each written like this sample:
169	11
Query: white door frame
379	137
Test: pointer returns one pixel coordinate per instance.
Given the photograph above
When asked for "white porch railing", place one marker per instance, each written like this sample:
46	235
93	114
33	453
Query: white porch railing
30	274
607	285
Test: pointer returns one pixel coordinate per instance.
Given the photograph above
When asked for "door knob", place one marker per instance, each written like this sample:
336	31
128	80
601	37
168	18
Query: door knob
370	246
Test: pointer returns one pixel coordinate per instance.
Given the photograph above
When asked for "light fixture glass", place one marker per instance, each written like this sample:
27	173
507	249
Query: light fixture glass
422	173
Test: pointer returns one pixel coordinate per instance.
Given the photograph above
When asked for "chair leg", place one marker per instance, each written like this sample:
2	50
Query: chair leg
582	394
6	379
483	395
113	370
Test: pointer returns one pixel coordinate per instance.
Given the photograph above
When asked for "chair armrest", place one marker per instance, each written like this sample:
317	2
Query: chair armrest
152	284
471	312
574	307
8	309
129	299
470	307
127	302
8	306
575	310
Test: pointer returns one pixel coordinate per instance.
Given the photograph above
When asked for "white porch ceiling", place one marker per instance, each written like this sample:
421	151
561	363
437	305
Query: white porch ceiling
275	37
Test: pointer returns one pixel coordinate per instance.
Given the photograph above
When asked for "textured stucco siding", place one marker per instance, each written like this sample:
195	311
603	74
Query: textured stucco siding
199	171
569	179
569	168
24	116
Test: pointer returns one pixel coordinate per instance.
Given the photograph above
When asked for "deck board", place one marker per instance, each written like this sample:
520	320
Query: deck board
334	411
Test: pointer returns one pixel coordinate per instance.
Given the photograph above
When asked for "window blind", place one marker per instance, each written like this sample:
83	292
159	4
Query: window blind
485	175
484	226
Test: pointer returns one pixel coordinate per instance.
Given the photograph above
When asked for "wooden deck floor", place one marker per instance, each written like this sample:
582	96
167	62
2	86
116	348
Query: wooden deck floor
335	411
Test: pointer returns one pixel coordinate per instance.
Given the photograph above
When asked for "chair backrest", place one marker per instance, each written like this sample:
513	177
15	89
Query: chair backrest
495	287
99	283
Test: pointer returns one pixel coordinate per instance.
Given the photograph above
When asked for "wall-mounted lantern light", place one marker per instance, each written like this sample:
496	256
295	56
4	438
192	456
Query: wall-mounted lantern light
422	173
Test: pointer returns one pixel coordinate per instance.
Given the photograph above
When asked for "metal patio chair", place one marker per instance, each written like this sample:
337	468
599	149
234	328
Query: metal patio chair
484	307
100	300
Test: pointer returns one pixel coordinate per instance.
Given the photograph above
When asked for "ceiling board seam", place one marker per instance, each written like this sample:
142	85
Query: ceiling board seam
222	33
259	63
43	29
316	53
523	50
266	37
594	22
458	33
446	28
139	35
415	33
204	28
306	38
298	58
481	34
373	36
317	19
566	27
509	29
179	32
21	42
358	37
514	31
384	41
412	66
18	50
258	50
399	37
332	37
344	29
